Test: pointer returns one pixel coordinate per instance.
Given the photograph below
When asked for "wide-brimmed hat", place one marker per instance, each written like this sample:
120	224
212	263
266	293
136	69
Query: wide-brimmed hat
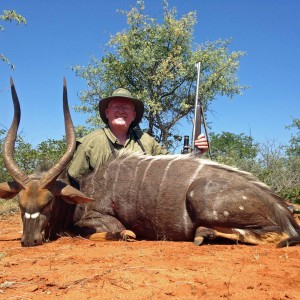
123	94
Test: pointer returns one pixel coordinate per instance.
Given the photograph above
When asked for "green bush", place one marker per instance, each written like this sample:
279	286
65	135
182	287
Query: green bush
8	207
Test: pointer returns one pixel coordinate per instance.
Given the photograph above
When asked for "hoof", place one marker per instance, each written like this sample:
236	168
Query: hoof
203	232
198	240
128	236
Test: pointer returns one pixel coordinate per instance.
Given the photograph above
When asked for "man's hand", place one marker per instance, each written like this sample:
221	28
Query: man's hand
201	143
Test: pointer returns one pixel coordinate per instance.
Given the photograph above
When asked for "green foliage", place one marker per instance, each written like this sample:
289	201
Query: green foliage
278	170
233	149
46	154
292	192
9	16
280	165
3	174
30	159
270	162
9	207
81	131
25	156
294	148
293	195
156	62
49	152
284	178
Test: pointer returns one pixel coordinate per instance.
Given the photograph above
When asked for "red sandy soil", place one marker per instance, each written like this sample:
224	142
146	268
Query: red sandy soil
75	268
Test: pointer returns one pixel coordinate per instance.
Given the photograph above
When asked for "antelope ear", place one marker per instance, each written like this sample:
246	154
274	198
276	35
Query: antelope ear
9	190
70	194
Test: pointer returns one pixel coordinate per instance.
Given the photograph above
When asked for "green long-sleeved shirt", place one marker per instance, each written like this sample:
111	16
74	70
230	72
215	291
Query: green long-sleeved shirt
94	149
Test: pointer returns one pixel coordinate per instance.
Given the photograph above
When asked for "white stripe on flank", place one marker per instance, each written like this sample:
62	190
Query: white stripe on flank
117	173
153	158
133	192
196	172
186	218
165	175
164	178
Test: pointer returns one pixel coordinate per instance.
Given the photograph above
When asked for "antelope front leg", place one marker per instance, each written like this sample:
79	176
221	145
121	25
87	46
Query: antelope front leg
124	235
102	227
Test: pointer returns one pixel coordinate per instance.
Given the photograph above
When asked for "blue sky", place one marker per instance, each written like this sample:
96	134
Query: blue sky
62	33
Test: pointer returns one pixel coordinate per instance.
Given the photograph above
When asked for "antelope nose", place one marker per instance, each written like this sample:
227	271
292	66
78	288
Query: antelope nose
30	242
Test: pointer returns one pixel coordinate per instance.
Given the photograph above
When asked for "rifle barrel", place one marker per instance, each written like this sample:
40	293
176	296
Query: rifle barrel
197	114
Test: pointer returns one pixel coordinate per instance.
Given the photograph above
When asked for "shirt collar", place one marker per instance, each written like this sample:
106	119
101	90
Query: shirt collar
113	139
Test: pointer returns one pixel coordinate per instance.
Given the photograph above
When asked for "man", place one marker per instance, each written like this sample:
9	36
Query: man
121	113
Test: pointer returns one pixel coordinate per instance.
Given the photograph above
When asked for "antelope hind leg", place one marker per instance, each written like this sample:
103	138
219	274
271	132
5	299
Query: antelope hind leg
227	233
203	232
242	235
233	234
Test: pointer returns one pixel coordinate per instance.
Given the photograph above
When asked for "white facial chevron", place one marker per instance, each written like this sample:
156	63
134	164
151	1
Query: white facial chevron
32	216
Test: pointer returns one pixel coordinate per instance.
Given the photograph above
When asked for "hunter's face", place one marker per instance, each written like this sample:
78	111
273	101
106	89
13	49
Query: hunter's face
120	113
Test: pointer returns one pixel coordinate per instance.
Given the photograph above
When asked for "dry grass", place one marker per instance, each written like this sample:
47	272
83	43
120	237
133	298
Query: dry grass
8	207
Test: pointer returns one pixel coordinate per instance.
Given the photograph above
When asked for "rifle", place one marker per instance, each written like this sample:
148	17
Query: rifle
198	115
